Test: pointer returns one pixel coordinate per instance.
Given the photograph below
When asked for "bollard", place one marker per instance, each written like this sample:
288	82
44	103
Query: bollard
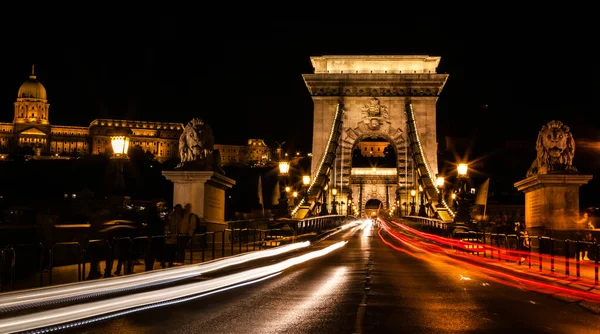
213	245
223	243
540	251
577	258
567	257
552	255
596	262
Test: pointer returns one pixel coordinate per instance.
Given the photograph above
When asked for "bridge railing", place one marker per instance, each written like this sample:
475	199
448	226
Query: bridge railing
543	253
201	247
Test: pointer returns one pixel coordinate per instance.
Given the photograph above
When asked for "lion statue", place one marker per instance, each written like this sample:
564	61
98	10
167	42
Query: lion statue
196	148
555	150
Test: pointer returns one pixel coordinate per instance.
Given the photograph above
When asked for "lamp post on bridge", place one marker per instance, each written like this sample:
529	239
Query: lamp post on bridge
333	202
440	185
284	168
422	211
462	216
120	146
413	194
306	183
324	211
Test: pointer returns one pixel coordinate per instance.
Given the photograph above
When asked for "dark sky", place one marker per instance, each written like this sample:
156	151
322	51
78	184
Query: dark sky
508	76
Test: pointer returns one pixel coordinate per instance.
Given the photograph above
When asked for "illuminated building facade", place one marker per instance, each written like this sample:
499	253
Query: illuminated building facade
256	151
31	127
373	148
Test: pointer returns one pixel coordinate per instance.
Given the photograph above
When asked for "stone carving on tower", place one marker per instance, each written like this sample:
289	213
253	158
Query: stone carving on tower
555	148
196	148
374	117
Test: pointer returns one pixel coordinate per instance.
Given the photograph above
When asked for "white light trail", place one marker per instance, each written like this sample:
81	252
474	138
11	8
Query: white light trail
78	312
42	296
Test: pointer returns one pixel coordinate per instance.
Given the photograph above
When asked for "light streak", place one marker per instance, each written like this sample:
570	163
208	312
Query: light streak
530	283
78	312
54	294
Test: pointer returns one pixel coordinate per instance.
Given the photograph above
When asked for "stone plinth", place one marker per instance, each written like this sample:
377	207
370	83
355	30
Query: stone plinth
205	190
552	200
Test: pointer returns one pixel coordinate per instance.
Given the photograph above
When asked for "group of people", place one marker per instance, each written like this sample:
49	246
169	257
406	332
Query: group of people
584	225
168	238
180	226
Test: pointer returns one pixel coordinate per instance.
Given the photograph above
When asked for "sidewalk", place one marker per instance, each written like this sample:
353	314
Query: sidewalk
578	279
586	290
71	273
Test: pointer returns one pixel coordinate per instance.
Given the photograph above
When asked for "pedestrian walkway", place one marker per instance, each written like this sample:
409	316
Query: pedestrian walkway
538	270
76	272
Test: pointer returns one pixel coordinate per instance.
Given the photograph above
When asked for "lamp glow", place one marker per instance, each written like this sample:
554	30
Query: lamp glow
306	180
413	193
439	182
284	167
462	169
120	145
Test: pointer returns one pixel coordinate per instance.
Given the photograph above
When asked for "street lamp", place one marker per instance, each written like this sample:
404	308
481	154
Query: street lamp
334	203
295	196
324	211
413	194
463	215
120	146
440	185
306	182
284	168
422	211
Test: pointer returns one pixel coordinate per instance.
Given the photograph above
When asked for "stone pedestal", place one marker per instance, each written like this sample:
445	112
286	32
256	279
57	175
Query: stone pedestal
205	190
552	200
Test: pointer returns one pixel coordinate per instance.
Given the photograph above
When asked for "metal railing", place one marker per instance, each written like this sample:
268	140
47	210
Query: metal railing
543	251
200	247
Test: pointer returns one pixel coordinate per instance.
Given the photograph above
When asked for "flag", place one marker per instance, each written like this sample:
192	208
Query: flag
481	195
276	194
260	195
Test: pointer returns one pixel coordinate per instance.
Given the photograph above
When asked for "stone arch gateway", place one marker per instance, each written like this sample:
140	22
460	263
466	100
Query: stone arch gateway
374	91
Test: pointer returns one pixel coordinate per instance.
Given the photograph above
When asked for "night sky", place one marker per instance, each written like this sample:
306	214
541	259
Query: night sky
508	76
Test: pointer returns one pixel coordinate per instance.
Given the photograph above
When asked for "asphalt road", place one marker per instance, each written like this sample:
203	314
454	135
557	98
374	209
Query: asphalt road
365	287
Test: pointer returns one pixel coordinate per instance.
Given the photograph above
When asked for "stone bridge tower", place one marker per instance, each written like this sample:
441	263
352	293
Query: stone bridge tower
374	91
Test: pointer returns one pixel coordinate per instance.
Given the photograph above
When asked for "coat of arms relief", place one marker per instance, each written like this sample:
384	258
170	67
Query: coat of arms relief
374	117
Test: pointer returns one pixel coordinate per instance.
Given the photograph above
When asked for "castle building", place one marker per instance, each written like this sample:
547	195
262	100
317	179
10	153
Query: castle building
255	151
372	148
31	127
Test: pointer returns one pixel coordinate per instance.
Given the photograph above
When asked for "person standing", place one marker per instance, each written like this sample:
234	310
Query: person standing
187	227
155	228
172	225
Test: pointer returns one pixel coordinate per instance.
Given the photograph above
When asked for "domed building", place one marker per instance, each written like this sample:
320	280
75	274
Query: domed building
31	127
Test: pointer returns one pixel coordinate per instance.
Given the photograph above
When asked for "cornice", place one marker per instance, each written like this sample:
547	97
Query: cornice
375	84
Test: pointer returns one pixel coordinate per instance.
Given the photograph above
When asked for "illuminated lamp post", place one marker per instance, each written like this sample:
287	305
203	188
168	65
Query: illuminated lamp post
349	204
413	194
284	169
422	211
440	185
305	182
462	216
334	203
120	146
324	211
295	196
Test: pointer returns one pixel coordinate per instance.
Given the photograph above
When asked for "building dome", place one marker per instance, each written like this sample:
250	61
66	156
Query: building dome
32	89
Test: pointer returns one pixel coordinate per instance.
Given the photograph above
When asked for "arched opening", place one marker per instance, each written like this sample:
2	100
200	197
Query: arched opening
372	207
374	152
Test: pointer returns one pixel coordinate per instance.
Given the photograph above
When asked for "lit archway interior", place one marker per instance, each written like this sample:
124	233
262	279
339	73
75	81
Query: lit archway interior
372	207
